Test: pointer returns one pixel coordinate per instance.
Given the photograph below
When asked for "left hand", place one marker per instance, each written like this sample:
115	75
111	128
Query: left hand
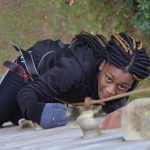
53	115
112	120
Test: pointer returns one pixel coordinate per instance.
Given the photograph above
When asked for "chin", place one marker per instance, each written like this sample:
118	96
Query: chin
102	95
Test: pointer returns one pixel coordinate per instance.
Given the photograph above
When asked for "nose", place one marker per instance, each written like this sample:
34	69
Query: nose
111	89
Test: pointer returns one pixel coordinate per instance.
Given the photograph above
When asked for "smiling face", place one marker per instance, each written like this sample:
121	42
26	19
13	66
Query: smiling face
113	81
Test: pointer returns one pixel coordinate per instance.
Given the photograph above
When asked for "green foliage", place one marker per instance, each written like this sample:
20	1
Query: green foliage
140	13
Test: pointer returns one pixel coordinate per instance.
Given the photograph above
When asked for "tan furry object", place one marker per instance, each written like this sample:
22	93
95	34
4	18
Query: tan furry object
23	124
135	120
88	124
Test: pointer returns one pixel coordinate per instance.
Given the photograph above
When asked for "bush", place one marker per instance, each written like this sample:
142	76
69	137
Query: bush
140	13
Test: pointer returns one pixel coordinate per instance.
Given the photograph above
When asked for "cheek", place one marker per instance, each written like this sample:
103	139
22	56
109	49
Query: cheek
101	82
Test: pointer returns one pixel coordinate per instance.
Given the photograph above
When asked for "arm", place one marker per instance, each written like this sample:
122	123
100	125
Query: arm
54	82
115	109
112	120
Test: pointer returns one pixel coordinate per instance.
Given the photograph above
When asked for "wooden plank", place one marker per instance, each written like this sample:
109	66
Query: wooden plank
67	137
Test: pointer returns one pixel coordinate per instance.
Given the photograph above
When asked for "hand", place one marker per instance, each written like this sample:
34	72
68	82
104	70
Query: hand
88	105
53	115
112	120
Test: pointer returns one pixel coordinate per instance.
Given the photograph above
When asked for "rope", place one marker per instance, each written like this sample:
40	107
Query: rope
101	102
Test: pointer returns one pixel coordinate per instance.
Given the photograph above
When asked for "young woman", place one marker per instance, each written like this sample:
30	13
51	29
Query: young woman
89	66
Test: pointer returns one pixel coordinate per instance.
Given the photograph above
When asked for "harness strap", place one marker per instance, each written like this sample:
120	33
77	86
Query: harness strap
28	61
14	67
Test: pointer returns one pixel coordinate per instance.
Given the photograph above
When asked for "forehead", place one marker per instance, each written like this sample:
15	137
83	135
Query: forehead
117	74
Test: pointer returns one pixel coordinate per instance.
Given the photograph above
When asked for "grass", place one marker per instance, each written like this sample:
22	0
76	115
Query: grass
27	21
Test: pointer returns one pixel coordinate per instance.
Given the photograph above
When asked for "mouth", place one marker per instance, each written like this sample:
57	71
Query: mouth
103	94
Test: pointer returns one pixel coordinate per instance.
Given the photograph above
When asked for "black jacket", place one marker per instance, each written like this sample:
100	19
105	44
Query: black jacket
69	73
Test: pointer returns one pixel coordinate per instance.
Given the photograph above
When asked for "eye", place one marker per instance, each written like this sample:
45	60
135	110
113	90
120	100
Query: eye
108	79
122	87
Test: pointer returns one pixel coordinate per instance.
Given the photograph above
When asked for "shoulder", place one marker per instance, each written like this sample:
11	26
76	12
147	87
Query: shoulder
87	61
42	44
84	54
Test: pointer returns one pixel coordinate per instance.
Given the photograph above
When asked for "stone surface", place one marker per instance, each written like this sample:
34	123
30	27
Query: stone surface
135	120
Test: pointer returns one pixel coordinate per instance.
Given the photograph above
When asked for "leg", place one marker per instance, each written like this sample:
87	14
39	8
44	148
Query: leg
15	119
9	87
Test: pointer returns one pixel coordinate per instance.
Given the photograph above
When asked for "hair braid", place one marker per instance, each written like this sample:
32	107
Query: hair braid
96	42
129	55
121	50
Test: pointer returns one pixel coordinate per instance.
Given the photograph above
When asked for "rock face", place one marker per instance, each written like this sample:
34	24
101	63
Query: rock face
135	120
88	124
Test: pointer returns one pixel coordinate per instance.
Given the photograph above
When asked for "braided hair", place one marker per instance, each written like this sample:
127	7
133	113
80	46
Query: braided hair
121	50
128	55
96	42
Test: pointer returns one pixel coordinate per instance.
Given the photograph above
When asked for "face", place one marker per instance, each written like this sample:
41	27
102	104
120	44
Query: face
113	81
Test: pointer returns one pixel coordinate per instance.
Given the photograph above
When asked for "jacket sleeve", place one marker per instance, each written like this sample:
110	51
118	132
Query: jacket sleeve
56	81
115	104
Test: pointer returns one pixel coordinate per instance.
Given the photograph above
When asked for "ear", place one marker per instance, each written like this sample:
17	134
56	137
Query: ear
101	66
